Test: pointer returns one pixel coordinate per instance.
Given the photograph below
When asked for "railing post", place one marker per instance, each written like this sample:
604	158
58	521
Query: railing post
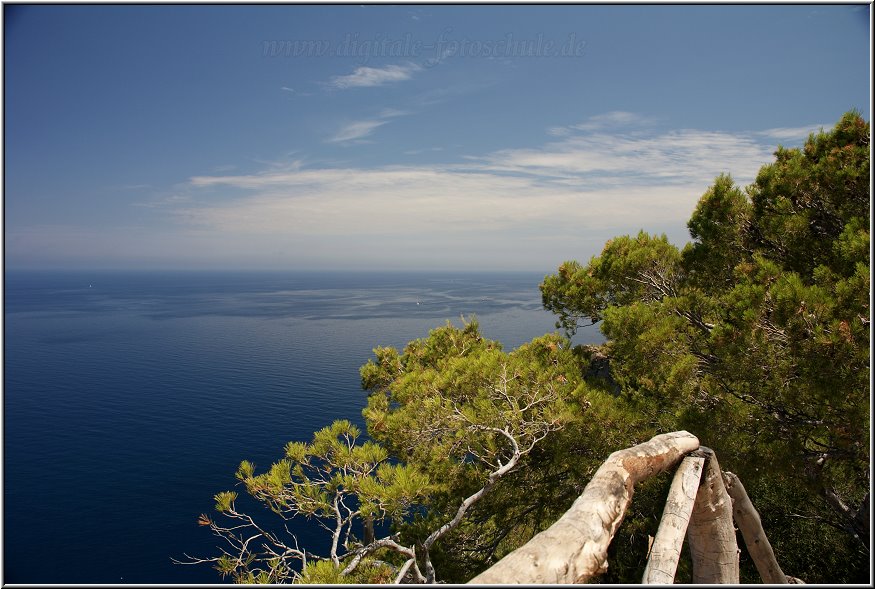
711	533
666	549
575	547
748	521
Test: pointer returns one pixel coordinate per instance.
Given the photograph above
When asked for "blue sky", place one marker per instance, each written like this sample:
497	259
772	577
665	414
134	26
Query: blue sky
397	137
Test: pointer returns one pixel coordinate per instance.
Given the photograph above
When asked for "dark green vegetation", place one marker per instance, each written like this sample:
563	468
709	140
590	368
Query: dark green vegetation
754	337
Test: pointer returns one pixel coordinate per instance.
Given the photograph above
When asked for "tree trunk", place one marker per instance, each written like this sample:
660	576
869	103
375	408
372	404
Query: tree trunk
666	550
369	530
711	534
575	547
748	521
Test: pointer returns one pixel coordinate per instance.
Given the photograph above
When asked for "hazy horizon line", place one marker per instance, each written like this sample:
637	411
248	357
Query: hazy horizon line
243	270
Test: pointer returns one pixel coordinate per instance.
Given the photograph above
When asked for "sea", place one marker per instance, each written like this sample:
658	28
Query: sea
130	398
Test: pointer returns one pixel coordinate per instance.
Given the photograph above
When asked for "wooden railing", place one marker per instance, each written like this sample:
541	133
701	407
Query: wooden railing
701	505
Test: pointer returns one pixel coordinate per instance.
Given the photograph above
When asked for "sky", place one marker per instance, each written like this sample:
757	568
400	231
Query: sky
412	137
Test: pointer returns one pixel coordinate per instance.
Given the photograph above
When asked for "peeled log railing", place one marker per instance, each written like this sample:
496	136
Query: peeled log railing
701	504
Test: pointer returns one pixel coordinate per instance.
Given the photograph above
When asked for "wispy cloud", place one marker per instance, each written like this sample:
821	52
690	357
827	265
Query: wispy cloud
355	131
534	205
613	119
365	76
597	159
294	92
792	133
391	113
418	14
585	180
603	122
423	150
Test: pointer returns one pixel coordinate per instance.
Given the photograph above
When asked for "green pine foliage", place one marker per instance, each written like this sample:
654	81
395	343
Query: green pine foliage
755	337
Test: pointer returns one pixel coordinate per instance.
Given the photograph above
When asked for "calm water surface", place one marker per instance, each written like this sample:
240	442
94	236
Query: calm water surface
130	398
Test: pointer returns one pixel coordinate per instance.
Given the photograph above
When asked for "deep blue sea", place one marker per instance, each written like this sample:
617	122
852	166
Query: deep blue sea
130	398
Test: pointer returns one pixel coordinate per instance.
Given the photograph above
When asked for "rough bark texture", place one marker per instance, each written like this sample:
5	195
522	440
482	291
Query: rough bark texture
748	521
575	547
666	550
711	533
369	530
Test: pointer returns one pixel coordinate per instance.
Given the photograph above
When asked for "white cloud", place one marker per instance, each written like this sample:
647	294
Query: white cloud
527	208
369	76
427	201
613	120
585	181
558	131
391	113
294	92
792	133
423	150
596	159
355	131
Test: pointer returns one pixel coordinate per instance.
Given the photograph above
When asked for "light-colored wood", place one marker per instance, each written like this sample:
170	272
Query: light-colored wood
748	521
711	533
666	549
575	547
